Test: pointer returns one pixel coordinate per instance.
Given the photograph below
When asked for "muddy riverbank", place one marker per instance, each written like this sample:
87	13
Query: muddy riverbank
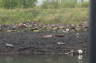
42	43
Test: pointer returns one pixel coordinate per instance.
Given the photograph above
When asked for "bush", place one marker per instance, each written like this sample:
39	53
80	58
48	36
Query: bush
10	4
51	5
69	5
83	5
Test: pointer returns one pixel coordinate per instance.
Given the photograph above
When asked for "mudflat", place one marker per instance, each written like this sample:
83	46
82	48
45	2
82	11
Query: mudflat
42	42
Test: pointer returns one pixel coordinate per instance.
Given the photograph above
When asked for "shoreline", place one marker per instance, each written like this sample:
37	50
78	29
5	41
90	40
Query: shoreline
30	43
38	27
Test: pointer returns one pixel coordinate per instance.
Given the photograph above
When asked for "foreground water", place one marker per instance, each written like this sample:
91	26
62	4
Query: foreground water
42	59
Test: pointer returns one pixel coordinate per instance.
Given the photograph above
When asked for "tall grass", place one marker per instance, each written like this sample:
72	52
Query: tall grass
51	16
11	4
16	11
68	4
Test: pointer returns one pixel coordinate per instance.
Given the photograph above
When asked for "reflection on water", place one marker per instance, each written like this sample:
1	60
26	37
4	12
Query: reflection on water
41	59
80	58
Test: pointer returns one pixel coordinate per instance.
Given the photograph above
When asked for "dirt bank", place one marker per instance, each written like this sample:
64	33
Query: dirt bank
42	43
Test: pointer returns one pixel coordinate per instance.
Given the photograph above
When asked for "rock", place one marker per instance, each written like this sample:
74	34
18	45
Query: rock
36	30
46	27
66	30
59	35
21	26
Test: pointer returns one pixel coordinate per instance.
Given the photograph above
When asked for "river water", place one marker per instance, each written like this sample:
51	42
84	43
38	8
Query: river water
42	59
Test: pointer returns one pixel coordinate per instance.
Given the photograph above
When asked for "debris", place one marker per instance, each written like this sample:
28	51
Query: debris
9	45
47	36
60	43
80	51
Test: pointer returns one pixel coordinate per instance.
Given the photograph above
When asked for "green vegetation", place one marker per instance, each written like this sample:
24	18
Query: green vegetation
16	11
10	4
66	4
64	15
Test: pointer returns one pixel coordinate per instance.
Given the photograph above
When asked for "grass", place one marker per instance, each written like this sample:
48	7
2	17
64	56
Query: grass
46	16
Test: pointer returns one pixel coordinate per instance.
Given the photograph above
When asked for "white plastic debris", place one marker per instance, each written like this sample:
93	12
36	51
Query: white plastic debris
9	45
47	36
80	51
60	43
